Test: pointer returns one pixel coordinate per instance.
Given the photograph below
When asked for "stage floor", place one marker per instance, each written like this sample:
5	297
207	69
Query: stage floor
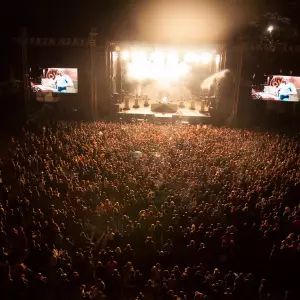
184	112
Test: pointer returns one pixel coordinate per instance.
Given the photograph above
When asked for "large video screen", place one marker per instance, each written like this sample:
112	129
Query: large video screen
279	88
55	80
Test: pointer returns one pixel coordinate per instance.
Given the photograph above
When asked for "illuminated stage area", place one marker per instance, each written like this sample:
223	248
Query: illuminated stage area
164	109
161	80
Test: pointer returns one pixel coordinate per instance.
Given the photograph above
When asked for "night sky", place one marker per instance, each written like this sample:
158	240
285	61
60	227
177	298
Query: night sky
58	19
75	18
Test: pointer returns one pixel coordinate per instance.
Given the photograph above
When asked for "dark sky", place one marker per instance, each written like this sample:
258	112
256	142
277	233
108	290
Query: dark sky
75	18
62	18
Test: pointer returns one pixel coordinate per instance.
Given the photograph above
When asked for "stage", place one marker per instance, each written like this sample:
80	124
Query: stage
165	78
183	114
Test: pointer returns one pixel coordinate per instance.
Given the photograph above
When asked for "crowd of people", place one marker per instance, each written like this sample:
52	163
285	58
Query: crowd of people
149	211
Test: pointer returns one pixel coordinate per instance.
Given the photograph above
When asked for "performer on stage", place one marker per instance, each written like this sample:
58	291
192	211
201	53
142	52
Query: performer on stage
62	82
286	89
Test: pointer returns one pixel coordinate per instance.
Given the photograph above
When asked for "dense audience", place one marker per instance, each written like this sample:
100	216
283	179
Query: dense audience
147	211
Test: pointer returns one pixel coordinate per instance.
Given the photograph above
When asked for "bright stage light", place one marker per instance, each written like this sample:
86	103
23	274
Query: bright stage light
183	69
125	55
156	71
161	66
172	58
115	56
191	58
206	58
218	60
138	71
139	57
141	71
270	28
158	57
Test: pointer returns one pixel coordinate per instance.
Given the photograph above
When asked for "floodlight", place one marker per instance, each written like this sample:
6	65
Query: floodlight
206	58
125	55
192	58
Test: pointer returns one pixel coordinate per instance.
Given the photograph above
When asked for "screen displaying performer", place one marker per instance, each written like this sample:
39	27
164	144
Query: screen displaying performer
56	80
279	88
